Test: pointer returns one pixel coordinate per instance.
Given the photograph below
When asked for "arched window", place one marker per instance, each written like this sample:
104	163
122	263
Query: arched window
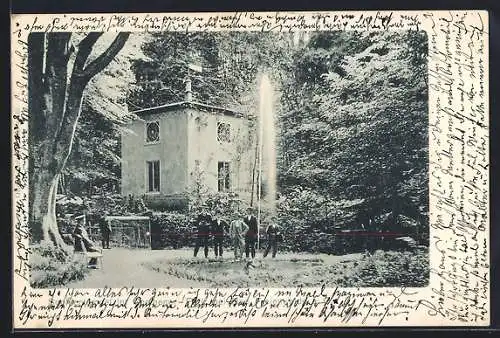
223	132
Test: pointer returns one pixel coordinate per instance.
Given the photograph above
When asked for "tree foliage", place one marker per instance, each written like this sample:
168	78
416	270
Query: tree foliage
357	130
230	61
351	115
94	163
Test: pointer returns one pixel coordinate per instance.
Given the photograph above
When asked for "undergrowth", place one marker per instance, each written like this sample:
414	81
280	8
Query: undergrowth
382	269
52	266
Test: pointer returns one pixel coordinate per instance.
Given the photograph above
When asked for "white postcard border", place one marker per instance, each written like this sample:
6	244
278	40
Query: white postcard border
459	289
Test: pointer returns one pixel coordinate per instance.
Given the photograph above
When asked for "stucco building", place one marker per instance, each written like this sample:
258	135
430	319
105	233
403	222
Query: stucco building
172	151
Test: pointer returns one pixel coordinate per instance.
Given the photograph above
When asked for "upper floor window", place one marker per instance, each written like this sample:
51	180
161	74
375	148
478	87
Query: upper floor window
153	132
223	132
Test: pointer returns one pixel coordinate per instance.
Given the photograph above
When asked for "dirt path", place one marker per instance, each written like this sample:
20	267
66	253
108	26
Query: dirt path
123	267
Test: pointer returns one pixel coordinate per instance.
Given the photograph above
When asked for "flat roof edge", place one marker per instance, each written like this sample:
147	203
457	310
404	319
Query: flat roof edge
189	104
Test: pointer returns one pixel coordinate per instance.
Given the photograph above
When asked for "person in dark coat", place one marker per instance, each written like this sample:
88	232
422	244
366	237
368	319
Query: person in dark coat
83	242
105	232
219	228
202	233
251	235
272	233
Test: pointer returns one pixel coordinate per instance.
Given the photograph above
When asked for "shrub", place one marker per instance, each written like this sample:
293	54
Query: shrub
51	266
382	269
391	268
172	230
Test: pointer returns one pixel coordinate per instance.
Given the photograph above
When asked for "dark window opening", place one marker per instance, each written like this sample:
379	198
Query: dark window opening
224	175
152	132
153	168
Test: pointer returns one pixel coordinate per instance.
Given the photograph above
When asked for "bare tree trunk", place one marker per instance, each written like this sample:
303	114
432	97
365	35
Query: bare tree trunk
46	109
54	108
56	153
44	210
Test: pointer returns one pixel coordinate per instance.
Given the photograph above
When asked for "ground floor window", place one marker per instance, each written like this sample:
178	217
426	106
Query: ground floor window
224	175
153	173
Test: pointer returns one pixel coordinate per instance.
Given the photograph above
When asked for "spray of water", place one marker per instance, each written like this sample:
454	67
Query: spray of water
268	142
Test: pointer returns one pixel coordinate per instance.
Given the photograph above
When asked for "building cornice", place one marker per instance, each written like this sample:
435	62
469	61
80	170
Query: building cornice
195	105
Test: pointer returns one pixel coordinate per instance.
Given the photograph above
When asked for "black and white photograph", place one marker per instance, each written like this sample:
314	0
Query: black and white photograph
250	170
229	159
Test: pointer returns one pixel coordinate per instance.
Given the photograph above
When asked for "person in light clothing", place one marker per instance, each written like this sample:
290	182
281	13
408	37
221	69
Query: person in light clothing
237	232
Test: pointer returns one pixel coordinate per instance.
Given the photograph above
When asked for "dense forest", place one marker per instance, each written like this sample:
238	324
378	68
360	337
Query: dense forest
354	134
351	116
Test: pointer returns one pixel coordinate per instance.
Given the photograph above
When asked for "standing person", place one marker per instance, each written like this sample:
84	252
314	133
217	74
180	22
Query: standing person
130	204
83	242
203	233
272	233
251	235
237	231
105	232
218	229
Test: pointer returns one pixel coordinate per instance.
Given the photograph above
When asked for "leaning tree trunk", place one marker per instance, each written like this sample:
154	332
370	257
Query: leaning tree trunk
55	151
44	210
54	110
47	107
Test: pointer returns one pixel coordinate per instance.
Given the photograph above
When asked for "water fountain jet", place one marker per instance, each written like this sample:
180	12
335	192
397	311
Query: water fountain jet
267	146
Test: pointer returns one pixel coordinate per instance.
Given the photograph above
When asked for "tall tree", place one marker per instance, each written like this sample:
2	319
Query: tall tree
355	125
59	72
95	162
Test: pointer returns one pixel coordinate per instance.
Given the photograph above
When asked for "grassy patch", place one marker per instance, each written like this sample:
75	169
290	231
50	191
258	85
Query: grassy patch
381	269
54	267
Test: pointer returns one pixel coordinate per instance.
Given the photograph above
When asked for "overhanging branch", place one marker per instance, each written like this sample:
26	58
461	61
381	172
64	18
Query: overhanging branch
84	49
79	80
106	57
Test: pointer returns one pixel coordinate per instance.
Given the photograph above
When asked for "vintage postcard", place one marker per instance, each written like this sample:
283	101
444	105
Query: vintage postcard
250	169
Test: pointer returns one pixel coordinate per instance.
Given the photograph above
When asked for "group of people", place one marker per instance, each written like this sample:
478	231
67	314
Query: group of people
242	230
